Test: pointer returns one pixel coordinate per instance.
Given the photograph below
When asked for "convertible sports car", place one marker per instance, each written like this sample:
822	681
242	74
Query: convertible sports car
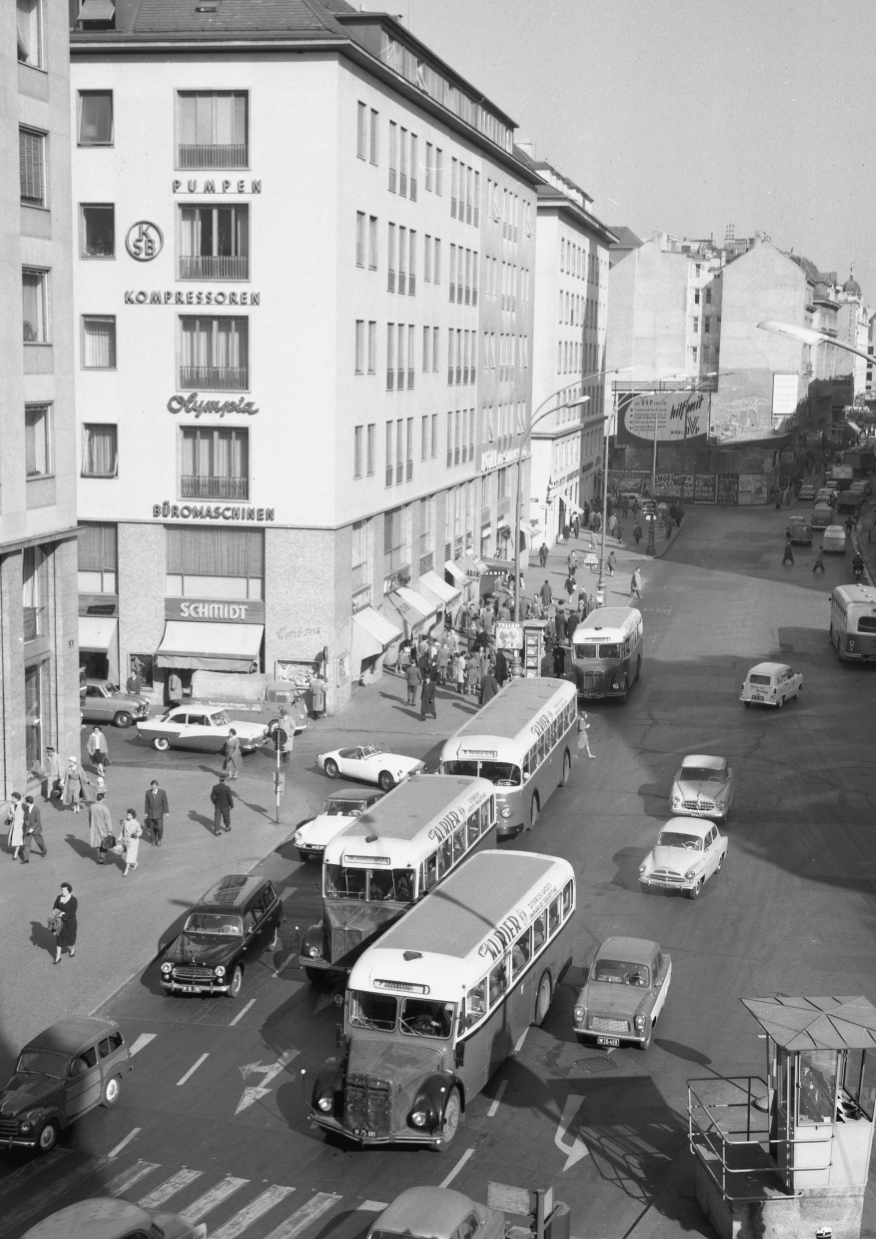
624	993
205	728
371	763
703	787
686	855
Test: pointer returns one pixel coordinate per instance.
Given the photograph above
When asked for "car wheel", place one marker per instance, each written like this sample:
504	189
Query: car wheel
161	743
386	781
746	704
122	719
567	769
111	1090
47	1137
331	768
694	891
452	1119
236	982
720	862
542	1000
535	809
646	1043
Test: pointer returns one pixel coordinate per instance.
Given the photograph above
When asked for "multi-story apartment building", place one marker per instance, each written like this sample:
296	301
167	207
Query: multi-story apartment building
304	309
39	694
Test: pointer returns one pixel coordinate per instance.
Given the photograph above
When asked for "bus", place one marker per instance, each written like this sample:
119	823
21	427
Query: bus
853	623
435	1007
388	858
524	741
607	652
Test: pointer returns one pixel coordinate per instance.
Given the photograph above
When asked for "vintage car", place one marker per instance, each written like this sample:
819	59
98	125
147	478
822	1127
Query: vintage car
371	763
799	530
337	812
437	1213
863	486
102	702
685	856
807	491
703	787
850	503
204	728
225	932
822	515
771	684
105	1218
257	698
624	993
834	540
60	1075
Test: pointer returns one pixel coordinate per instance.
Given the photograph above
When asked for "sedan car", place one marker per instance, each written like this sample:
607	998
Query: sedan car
624	993
827	494
204	728
337	812
371	763
437	1213
686	855
771	684
114	1219
807	491
703	787
102	702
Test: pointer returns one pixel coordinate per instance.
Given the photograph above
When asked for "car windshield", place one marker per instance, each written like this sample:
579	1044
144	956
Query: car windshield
678	839
369	885
112	689
703	774
422	1017
378	1011
42	1063
500	773
214	923
343	808
616	972
605	649
758	679
219	719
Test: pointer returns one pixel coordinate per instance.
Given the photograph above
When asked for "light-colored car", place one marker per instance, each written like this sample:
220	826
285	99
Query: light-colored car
104	1218
862	486
370	763
834	540
703	787
826	494
338	811
771	684
437	1213
626	987
807	491
102	702
686	855
204	728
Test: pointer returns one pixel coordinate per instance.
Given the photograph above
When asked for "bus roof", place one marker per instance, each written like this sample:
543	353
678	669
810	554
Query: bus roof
860	595
401	822
510	715
608	622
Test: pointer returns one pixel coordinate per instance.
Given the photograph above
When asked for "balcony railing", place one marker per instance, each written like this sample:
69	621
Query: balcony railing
197	155
202	486
32	617
215	378
214	267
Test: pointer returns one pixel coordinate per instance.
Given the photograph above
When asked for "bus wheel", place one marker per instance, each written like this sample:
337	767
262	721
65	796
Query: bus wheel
533	812
452	1119
567	769
542	1000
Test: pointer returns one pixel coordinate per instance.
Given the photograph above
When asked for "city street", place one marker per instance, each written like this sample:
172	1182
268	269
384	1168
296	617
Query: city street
213	1120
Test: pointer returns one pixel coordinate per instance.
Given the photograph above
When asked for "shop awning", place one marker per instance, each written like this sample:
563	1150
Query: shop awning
472	564
411	606
456	571
210	647
372	634
445	594
97	10
97	632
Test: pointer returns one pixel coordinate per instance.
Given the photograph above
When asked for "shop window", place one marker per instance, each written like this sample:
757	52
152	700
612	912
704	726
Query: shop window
98	342
33	715
214	243
38	440
97	230
100	450
95	118
215	464
30	33
98	558
215	563
212	129
35	305
141	665
214	353
34	591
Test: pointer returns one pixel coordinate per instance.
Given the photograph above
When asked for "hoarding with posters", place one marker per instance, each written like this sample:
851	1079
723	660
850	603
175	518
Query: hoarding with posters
727	489
752	488
705	488
677	416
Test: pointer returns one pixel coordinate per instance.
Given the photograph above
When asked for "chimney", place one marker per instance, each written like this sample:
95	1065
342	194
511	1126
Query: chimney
527	146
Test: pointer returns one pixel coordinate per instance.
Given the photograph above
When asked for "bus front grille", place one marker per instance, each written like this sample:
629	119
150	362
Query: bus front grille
367	1105
344	940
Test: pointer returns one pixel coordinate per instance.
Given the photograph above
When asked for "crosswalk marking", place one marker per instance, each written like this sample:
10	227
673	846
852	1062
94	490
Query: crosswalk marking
169	1188
30	1169
250	1213
53	1191
122	1182
141	1043
202	1206
302	1218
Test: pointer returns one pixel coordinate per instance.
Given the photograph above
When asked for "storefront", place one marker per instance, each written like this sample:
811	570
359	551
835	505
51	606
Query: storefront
99	644
211	635
373	637
416	612
446	598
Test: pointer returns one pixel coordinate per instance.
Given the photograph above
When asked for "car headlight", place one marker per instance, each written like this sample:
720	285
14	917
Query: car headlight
691	873
296	838
25	1127
579	1015
506	812
167	969
419	1118
325	1103
219	970
640	1021
615	685
643	868
676	800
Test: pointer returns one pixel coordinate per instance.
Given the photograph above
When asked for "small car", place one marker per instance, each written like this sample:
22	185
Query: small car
771	684
686	855
624	993
827	494
822	515
437	1213
225	932
61	1074
807	491
204	728
799	531
102	702
337	812
371	763
862	486
114	1219
703	787
834	540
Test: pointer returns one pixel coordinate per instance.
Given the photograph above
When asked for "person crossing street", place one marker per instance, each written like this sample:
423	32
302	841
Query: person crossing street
223	802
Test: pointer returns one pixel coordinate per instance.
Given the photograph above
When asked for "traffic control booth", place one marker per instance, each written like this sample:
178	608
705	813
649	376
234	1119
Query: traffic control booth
788	1156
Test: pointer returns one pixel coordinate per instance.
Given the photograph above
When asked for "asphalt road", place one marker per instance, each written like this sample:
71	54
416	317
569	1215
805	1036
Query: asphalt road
791	911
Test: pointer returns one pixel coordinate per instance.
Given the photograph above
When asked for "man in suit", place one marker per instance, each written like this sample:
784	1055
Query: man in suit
223	803
53	774
154	811
33	829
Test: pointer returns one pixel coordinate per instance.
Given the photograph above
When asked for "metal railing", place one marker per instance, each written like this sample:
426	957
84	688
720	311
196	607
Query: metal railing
199	155
215	378
203	486
32	622
214	267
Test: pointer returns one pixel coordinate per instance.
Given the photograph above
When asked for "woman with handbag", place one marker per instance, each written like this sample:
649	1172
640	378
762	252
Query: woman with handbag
130	840
72	784
15	822
101	824
64	911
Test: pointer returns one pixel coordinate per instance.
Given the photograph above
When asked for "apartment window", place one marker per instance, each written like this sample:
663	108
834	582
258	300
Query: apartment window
427	338
394	551
214	353
697	270
360	558
427	259
696	326
414	157
32	167
435	347
97	230
403	163
100	450
390	258
707	325
30	33
95	118
399	450
452	272
456	437
393	155
390	358
38	440
215	464
358	441
412	263
469	176
359	366
374	142
449	440
468	277
439	170
360	238
696	296
451	349
370	447
402	259
474	278
35	305
372	242
708	296
212	129
434	445
34	591
429	167
362	131
424	437
215	563
411	337
98	342
214	243
426	509
98	558
400	358
454	186
409	454
477	200
372	347
694	354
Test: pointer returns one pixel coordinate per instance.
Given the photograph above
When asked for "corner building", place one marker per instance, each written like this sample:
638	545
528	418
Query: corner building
290	221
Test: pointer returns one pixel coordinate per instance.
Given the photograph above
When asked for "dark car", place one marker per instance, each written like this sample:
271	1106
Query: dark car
63	1073
223	934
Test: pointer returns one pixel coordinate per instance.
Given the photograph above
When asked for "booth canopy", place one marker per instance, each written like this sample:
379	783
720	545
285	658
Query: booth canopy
816	1023
444	593
457	572
372	634
97	632
210	647
411	606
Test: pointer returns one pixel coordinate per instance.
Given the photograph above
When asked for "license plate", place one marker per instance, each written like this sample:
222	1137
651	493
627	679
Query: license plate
608	1041
757	697
362	1131
188	989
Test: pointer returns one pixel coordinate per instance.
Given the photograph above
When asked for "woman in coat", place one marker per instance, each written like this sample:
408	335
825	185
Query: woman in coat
317	689
15	822
67	906
130	840
72	784
101	826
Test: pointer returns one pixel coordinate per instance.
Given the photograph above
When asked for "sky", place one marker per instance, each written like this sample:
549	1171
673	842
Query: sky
685	116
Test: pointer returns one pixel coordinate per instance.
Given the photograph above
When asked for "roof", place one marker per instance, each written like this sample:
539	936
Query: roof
404	812
356	793
304	18
768	668
626	238
706	762
427	1212
505	715
816	1023
630	950
71	1034
233	890
690	825
611	618
93	1219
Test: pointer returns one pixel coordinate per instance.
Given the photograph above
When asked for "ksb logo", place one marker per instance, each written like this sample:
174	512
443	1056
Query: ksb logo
144	241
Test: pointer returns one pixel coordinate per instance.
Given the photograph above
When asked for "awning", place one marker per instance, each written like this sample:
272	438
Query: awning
97	10
97	632
472	564
432	583
456	571
572	506
210	647
372	635
411	606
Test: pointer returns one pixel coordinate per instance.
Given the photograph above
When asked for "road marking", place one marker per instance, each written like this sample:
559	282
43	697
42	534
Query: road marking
202	1206
519	1046
191	1071
371	1206
456	1169
302	1218
49	1194
122	1182
500	1093
577	1149
252	1212
141	1043
169	1188
30	1169
268	1070
135	1131
241	1013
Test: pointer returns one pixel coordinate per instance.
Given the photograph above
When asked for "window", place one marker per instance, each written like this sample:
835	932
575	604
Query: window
429	167
362	131
424	441
400	360
696	326
426	512
411	345
360	238
95	118
403	163
100	451
435	347
409	455
694	354
393	155
37	440
32	167
98	342
427	337
370	444
453	272
427	259
33	712
402	259
439	170
35	305
372	242
412	263
390	357
360	346
708	296
449	440
97	231
414	158
358	438
394	549
454	186
707	325
372	348
215	464
389	446
98	558
34	591
214	243
390	258
214	353
436	268
434	452
360	559
212	129
696	296
374	136
214	563
30	33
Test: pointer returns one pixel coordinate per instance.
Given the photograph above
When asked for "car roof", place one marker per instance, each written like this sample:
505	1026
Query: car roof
690	825
72	1034
92	1219
836	529
702	759
355	794
631	950
767	668
232	891
428	1212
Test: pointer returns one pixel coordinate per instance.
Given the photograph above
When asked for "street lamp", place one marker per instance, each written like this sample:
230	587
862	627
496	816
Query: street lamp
600	584
809	335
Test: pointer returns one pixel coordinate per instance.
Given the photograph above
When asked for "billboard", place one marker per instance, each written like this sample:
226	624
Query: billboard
676	415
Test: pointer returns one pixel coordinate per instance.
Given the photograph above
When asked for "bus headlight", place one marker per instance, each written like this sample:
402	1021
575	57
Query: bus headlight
313	952
506	812
325	1103
219	970
640	1022
579	1015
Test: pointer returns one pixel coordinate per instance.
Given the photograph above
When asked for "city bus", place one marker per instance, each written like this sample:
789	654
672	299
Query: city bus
853	622
607	652
435	1007
524	741
388	858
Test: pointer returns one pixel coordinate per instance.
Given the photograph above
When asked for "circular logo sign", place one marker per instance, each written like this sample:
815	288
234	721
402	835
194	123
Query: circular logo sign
144	241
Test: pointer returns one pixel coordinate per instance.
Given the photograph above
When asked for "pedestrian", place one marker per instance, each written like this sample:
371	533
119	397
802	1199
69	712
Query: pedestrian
571	625
97	749
570	585
788	557
583	739
52	774
64	911
560	626
174	690
625	504
15	822
442	662
130	840
317	695
154	811
459	672
413	679
636	584
612	563
471	675
567	532
427	697
637	532
231	754
33	829
134	684
545	593
223	803
489	688
572	562
72	784
576	527
818	566
583	603
501	668
101	824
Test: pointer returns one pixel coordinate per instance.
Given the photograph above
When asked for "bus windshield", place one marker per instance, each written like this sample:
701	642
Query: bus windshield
500	773
605	649
418	1017
370	885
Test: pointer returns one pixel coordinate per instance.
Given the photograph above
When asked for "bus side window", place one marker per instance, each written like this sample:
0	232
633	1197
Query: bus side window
567	899
428	873
459	842
521	953
489	815
498	981
472	828
527	763
554	917
476	1003
445	856
539	932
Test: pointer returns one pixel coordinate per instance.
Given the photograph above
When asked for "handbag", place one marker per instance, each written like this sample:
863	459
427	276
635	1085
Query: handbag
109	842
56	922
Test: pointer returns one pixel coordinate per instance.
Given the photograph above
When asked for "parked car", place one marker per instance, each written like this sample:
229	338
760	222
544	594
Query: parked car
807	491
204	728
102	702
104	1218
703	787
771	684
61	1074
625	991
684	857
338	811
437	1213
371	763
225	932
834	540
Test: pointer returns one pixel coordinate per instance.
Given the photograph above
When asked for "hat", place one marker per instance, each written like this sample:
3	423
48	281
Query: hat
222	778
71	758
50	748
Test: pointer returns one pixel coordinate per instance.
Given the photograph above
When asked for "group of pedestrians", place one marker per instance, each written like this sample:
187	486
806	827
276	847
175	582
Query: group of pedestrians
25	828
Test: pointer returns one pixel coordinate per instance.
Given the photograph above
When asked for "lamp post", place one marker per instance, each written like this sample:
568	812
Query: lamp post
600	584
650	548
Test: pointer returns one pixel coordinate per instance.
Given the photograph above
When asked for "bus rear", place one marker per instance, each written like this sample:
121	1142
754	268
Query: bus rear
607	652
853	623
